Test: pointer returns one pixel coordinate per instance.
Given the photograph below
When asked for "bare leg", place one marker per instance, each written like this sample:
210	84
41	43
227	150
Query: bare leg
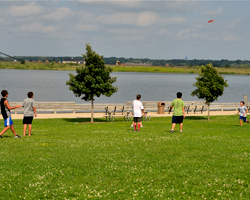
13	130
30	128
181	126
173	125
4	130
241	122
24	129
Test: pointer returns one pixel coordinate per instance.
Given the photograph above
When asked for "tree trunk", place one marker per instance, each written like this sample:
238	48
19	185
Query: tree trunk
208	109
92	110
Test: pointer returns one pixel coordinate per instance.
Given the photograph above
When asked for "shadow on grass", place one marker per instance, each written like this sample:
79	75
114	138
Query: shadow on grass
196	117
88	120
84	120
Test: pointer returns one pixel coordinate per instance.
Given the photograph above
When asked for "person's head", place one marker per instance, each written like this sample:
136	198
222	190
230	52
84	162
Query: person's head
242	103
4	93
138	96
179	95
30	94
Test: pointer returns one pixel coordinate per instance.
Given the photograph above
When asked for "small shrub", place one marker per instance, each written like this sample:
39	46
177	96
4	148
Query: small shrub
22	62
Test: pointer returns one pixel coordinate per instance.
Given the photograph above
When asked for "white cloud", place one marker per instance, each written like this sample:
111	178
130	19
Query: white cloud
165	32
209	36
129	38
173	21
214	12
87	27
36	28
118	19
142	19
142	5
27	10
59	14
146	19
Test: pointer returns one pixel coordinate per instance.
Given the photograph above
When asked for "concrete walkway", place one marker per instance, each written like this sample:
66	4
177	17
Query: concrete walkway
100	115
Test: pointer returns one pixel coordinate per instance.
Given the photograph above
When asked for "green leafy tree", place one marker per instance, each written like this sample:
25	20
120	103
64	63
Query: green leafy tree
93	79
210	85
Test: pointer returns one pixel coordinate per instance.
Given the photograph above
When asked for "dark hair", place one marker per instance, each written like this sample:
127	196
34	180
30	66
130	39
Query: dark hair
138	96
179	94
242	102
4	92
30	94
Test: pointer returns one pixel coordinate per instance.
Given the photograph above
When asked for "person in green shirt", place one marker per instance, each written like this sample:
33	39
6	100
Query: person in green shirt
179	112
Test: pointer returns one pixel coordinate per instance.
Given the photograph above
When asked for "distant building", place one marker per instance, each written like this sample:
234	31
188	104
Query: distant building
74	60
138	64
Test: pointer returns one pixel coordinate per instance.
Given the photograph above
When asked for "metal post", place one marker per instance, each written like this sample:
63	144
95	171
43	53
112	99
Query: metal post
245	97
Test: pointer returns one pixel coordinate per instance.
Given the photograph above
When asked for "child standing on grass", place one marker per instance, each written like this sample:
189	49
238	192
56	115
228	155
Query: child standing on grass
29	112
133	123
5	110
179	112
242	111
137	109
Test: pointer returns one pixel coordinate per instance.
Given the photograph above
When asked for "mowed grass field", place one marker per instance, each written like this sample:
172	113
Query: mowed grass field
68	159
121	68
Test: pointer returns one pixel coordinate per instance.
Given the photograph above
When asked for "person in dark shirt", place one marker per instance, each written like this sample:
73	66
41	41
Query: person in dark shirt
5	110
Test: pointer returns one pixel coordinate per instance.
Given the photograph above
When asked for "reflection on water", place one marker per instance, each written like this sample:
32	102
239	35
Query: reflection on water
51	86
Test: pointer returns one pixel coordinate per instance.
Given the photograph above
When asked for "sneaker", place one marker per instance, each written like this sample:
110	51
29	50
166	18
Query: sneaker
17	136
181	131
247	121
131	126
141	126
1	136
172	131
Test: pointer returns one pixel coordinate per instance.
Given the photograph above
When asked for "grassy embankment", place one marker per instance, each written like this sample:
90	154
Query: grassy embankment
66	159
148	69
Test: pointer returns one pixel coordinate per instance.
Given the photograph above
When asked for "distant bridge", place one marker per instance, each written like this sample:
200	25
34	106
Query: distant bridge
1	53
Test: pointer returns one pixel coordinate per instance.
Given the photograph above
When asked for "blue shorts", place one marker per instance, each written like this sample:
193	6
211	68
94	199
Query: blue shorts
177	119
8	122
243	118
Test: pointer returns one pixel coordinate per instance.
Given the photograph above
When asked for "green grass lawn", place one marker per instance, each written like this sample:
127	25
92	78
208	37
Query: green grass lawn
122	68
66	159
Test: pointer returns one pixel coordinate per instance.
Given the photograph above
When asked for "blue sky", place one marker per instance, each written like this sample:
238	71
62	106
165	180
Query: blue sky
130	29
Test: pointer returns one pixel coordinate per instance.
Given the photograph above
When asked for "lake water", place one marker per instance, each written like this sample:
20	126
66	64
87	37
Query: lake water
51	86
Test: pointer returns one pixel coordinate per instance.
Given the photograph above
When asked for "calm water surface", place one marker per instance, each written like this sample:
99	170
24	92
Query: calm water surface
51	86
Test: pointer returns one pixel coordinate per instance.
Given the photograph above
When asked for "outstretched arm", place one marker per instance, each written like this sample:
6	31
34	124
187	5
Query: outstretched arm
11	108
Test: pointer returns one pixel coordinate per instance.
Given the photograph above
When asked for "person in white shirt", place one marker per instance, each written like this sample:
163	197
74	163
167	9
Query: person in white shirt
137	109
242	111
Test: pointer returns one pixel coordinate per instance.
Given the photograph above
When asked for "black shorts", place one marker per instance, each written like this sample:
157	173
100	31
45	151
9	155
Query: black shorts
177	119
27	120
137	119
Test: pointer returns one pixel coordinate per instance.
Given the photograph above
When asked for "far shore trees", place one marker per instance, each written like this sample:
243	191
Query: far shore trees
210	85
92	79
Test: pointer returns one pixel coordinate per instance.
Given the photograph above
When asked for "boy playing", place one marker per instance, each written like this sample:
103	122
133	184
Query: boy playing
29	111
179	112
137	109
5	110
242	111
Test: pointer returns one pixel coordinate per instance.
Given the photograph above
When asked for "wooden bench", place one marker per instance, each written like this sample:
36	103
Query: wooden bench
199	108
118	112
108	112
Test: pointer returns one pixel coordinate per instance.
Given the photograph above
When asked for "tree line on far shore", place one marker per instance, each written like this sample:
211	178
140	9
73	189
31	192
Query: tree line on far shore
146	61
